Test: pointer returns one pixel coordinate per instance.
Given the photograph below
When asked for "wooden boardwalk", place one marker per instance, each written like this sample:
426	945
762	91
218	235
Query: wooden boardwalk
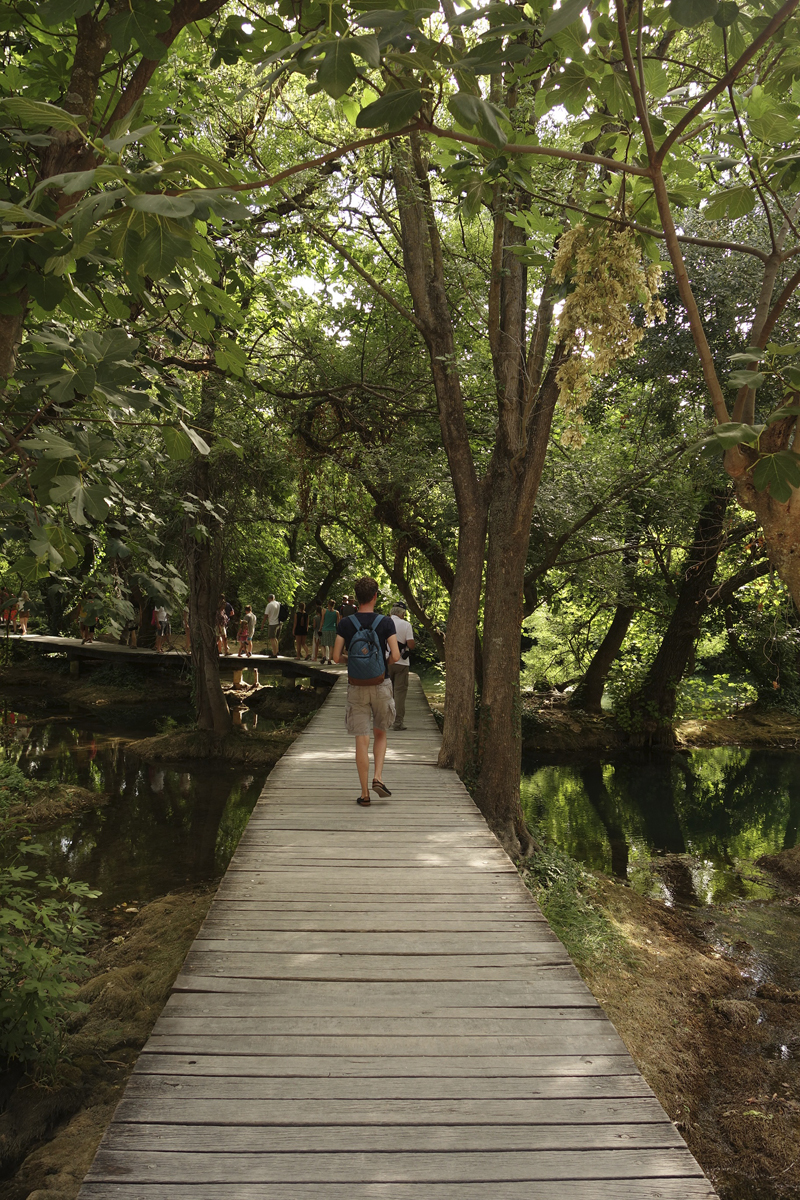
376	1008
144	656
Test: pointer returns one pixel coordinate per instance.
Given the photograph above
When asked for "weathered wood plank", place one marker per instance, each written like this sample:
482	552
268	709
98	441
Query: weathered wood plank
368	967
601	1040
425	1139
167	1089
219	1167
336	1112
302	1025
245	941
381	1065
592	1189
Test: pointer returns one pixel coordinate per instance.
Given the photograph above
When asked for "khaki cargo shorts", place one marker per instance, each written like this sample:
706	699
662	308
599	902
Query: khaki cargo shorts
369	707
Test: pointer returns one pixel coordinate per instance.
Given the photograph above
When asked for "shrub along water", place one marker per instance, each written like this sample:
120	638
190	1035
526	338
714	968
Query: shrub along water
44	933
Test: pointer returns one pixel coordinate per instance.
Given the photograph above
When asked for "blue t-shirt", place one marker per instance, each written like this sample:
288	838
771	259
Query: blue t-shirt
383	626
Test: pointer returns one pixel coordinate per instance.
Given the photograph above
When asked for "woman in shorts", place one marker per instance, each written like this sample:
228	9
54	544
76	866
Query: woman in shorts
330	622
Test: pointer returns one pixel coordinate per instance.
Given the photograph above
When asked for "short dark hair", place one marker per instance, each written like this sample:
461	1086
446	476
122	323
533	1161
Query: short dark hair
365	588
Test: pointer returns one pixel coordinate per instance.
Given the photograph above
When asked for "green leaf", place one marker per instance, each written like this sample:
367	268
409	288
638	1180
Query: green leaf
201	446
177	444
735	433
163	206
161	249
56	11
753	354
393	110
37	112
338	71
753	379
780	414
140	27
30	569
656	78
97	500
689	13
366	47
726	14
47	290
560	18
732	203
474	113
780	473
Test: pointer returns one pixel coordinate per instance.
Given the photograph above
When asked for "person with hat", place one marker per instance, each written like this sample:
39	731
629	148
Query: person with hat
398	671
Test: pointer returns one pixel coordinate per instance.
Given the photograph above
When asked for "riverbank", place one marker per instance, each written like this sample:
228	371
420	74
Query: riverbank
552	727
719	1049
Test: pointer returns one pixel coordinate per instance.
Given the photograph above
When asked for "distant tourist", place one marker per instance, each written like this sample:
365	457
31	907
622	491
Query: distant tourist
247	628
23	612
316	629
398	671
330	620
272	616
162	627
371	642
300	630
186	633
221	625
347	607
87	620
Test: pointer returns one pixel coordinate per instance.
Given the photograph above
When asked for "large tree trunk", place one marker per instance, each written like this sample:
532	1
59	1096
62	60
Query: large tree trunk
526	402
652	708
424	269
203	561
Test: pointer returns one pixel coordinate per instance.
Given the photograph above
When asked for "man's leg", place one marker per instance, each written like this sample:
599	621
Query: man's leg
378	752
400	684
362	761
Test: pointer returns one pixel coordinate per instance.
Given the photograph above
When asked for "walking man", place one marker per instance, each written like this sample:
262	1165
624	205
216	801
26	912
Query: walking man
398	671
370	640
272	615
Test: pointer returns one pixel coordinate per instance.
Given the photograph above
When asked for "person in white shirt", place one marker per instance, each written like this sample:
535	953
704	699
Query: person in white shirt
272	617
161	627
398	671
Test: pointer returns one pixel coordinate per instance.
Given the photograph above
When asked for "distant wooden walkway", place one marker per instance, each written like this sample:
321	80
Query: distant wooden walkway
376	1008
143	656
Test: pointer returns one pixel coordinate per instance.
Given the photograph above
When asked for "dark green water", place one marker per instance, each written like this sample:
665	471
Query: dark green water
165	826
686	829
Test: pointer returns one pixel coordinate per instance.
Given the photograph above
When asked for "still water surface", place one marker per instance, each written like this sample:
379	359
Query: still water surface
166	825
686	829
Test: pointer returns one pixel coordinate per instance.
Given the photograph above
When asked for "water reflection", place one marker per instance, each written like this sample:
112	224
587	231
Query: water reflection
165	826
677	826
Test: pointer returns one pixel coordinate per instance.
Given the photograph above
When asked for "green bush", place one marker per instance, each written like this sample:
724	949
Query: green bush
15	785
44	932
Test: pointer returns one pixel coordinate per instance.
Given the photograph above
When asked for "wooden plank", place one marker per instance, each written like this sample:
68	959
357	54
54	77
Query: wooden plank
601	1040
337	1112
370	967
305	942
302	1025
362	1066
218	1167
593	1189
426	1139
161	1091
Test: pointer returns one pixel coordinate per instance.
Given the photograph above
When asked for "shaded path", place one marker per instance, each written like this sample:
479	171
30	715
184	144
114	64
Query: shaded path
375	1007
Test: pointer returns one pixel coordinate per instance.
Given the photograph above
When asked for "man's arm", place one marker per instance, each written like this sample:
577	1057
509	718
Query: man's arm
410	643
338	647
394	649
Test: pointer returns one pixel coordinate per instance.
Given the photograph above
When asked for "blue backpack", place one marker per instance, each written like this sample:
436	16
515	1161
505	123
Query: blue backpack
365	662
